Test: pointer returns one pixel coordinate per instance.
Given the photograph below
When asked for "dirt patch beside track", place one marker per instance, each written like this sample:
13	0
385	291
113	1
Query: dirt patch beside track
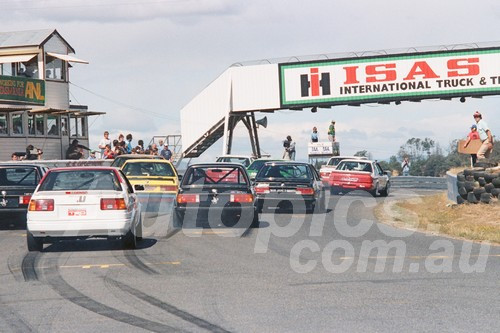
434	214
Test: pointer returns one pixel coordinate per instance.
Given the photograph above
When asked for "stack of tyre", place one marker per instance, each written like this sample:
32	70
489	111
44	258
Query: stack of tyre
478	185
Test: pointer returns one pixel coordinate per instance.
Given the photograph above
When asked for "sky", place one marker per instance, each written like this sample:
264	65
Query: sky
149	58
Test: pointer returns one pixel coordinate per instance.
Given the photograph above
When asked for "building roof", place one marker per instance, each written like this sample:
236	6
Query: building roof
28	38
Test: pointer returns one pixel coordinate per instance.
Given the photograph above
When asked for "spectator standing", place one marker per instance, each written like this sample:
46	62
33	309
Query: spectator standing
104	141
166	153
484	135
140	143
14	157
289	153
74	152
405	165
129	143
314	135
473	135
331	131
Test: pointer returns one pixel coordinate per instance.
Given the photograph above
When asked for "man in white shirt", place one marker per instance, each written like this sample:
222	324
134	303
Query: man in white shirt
485	135
104	141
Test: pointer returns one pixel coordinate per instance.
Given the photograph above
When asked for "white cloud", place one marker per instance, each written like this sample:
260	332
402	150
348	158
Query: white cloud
118	10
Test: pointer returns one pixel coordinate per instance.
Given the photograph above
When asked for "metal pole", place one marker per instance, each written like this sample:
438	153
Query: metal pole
256	135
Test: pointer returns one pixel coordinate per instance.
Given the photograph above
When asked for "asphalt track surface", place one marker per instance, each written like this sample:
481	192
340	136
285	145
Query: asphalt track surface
317	275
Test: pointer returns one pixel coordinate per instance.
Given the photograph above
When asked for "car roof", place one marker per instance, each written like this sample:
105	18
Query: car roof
20	164
351	157
216	164
237	156
357	160
142	156
287	163
147	160
88	168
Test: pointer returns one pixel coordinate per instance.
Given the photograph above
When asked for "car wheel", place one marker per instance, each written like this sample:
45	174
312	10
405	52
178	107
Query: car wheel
260	205
385	191
333	190
138	231
373	192
34	243
322	202
255	221
129	241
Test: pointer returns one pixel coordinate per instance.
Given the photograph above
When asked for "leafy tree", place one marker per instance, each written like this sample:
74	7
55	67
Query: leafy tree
363	153
416	148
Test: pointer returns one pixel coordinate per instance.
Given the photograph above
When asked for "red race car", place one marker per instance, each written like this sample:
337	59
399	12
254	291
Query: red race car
359	175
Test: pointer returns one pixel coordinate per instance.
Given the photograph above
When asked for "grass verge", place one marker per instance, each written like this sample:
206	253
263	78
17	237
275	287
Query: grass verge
434	214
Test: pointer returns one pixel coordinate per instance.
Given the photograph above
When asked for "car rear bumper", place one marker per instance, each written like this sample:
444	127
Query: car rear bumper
215	215
352	187
61	229
274	200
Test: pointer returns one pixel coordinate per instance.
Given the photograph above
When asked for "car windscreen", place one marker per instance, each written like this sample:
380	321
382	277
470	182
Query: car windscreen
285	171
148	169
65	180
18	176
212	175
354	166
335	161
241	160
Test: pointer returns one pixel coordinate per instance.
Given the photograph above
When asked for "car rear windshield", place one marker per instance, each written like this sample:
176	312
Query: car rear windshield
355	166
215	176
18	176
291	171
241	160
81	180
148	169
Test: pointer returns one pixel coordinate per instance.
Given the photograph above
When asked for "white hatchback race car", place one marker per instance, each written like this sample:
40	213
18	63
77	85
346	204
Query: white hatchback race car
83	202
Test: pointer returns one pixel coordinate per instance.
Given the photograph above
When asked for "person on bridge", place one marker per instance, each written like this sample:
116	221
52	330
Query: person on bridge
331	131
289	152
484	135
166	153
314	135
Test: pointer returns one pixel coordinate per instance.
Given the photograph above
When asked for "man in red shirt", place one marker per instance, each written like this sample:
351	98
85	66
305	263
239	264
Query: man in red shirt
473	135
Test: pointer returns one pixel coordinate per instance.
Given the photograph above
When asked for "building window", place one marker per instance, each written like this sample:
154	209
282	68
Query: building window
39	125
17	123
55	69
82	130
72	126
64	126
3	124
31	124
29	68
6	69
53	125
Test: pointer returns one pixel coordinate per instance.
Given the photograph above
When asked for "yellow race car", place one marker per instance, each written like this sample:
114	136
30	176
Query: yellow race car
155	181
156	176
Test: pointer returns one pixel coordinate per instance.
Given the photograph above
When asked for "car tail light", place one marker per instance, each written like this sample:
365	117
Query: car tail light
324	174
243	197
113	204
24	199
41	205
188	198
168	188
262	188
304	190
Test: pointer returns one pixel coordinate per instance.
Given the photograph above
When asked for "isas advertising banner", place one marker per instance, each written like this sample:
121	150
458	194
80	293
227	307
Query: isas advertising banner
390	78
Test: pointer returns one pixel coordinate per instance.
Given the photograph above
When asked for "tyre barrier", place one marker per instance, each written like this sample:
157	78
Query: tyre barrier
476	185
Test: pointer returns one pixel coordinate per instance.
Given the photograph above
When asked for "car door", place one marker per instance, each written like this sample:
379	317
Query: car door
382	177
316	181
131	198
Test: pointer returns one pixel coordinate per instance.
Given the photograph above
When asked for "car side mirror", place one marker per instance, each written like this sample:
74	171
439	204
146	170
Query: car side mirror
388	173
179	177
139	187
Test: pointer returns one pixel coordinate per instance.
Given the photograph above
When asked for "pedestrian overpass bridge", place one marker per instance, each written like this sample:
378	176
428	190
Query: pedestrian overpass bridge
443	72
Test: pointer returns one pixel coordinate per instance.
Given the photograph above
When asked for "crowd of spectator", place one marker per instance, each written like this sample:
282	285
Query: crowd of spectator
123	145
